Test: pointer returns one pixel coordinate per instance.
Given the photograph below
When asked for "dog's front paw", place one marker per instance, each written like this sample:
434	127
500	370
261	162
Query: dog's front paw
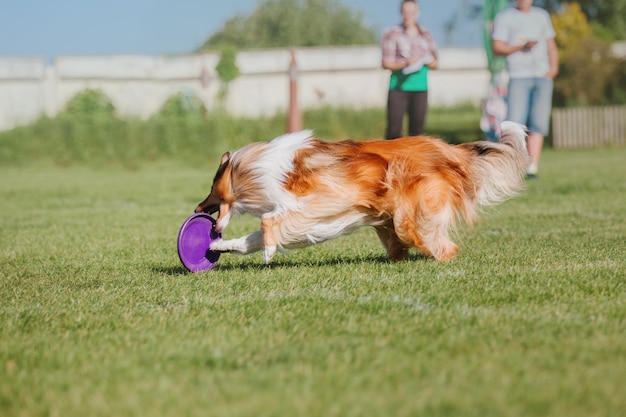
219	246
268	253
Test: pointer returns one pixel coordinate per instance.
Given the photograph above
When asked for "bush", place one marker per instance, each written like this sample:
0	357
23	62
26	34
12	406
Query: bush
593	62
89	133
183	104
585	54
86	130
89	103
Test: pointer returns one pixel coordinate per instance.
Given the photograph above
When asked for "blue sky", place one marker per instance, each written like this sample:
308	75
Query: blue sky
50	28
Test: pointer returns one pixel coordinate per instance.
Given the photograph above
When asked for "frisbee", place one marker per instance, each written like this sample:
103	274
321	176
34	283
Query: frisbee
194	238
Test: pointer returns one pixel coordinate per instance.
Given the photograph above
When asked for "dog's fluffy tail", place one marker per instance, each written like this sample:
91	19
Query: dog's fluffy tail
498	168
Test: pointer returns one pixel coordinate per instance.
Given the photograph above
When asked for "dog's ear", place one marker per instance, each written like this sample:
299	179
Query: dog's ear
224	162
225	158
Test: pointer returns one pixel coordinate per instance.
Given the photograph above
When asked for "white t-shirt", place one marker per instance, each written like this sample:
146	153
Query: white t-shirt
516	28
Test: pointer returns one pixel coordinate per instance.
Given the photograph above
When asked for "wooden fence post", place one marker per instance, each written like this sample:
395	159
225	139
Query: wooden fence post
294	115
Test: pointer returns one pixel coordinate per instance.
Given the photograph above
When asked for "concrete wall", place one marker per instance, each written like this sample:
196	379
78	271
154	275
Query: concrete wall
138	85
22	91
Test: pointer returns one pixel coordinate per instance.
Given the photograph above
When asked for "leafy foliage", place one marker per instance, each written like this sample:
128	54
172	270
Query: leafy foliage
184	130
227	68
607	17
584	56
88	119
290	23
594	63
610	15
183	104
89	103
571	27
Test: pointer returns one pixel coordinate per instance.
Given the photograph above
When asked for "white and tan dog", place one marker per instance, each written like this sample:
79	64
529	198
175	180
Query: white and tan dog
411	190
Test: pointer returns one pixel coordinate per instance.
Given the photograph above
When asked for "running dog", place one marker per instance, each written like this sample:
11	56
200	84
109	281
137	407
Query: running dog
412	190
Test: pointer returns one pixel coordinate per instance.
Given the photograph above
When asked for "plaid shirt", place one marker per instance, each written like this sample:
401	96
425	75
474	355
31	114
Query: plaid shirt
397	45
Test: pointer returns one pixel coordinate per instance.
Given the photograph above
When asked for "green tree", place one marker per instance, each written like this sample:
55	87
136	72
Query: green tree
571	27
291	23
607	18
584	56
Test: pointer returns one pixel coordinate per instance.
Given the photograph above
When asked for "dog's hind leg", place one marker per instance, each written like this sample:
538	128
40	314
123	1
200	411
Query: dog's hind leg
243	246
406	230
427	229
434	232
396	250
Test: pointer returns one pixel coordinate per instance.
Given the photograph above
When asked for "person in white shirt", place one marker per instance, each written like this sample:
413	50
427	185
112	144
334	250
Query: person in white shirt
525	35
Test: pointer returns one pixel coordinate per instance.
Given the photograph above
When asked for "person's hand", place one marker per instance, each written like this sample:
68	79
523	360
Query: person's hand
552	73
528	45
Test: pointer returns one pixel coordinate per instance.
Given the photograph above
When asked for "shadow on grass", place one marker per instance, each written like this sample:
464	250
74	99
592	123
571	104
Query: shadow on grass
170	270
255	264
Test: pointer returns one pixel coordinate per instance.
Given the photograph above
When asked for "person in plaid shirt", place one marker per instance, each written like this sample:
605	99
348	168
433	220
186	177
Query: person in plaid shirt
409	51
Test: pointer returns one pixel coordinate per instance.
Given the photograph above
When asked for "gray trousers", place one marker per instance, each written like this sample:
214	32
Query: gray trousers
412	103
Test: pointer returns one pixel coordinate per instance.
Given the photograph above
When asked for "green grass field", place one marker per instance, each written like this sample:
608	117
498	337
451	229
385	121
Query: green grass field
98	317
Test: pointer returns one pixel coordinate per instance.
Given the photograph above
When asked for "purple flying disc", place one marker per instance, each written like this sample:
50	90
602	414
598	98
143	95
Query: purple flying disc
194	239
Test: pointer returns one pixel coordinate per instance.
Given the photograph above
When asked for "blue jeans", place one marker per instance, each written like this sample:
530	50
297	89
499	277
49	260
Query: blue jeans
529	103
